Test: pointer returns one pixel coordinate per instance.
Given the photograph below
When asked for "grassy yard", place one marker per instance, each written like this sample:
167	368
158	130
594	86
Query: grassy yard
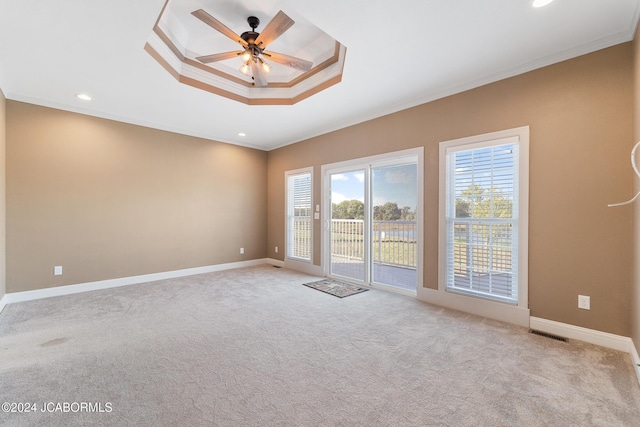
391	250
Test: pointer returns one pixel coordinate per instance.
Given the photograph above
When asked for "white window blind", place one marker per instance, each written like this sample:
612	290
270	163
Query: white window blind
299	216
482	219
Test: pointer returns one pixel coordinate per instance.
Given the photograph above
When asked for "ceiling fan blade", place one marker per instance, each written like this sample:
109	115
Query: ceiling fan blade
259	78
289	61
217	25
218	57
274	29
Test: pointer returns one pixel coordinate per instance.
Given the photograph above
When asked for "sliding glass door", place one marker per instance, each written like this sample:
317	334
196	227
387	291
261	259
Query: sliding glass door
394	226
347	227
371	233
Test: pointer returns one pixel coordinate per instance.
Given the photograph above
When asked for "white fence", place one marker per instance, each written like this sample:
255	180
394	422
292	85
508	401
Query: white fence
393	242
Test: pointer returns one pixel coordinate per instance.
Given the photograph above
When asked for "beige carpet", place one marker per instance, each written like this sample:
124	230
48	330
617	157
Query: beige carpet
252	347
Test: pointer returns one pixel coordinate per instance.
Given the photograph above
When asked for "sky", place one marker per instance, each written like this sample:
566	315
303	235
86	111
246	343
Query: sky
390	184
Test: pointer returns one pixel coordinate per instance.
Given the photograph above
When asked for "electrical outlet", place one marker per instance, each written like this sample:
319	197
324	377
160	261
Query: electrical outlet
584	302
241	251
57	270
276	249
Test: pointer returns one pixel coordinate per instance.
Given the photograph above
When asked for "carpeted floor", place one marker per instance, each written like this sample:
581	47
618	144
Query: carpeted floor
252	347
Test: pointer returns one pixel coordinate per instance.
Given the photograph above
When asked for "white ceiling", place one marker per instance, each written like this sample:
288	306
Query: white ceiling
399	54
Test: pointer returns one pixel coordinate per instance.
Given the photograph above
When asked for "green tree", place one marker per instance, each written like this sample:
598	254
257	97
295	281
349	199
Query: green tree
463	208
406	214
348	209
387	212
478	202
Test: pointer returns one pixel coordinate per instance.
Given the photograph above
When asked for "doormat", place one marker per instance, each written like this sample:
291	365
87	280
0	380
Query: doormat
336	288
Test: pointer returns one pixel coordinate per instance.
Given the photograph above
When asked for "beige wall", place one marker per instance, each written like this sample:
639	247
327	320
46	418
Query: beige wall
106	200
580	116
3	275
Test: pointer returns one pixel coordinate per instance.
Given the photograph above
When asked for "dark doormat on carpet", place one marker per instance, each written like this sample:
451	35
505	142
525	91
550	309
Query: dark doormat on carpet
336	288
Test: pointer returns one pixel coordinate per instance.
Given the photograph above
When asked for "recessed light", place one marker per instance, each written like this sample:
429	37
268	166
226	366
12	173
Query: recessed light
540	3
242	134
83	96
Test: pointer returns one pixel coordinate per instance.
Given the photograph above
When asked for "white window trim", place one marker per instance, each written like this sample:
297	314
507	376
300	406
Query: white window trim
518	314
292	262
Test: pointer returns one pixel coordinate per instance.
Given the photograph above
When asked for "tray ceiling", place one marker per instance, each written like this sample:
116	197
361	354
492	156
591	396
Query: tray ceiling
179	38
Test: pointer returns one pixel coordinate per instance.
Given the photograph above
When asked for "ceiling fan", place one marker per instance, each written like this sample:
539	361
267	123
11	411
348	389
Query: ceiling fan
254	45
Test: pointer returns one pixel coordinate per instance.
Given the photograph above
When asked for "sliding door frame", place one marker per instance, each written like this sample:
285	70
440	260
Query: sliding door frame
366	163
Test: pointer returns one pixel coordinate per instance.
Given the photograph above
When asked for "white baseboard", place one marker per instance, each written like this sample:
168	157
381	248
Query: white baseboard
604	339
3	302
275	262
14	297
480	307
303	267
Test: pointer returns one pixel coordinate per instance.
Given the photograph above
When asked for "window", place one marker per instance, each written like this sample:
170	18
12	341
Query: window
299	210
484	232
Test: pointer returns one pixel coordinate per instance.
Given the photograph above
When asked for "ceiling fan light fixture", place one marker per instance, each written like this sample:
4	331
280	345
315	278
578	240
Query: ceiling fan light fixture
246	56
540	3
265	67
245	69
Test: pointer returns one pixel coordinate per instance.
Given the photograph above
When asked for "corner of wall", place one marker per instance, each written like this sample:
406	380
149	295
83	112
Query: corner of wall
635	308
635	359
3	135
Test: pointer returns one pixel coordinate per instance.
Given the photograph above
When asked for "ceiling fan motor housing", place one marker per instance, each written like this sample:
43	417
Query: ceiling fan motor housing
251	36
